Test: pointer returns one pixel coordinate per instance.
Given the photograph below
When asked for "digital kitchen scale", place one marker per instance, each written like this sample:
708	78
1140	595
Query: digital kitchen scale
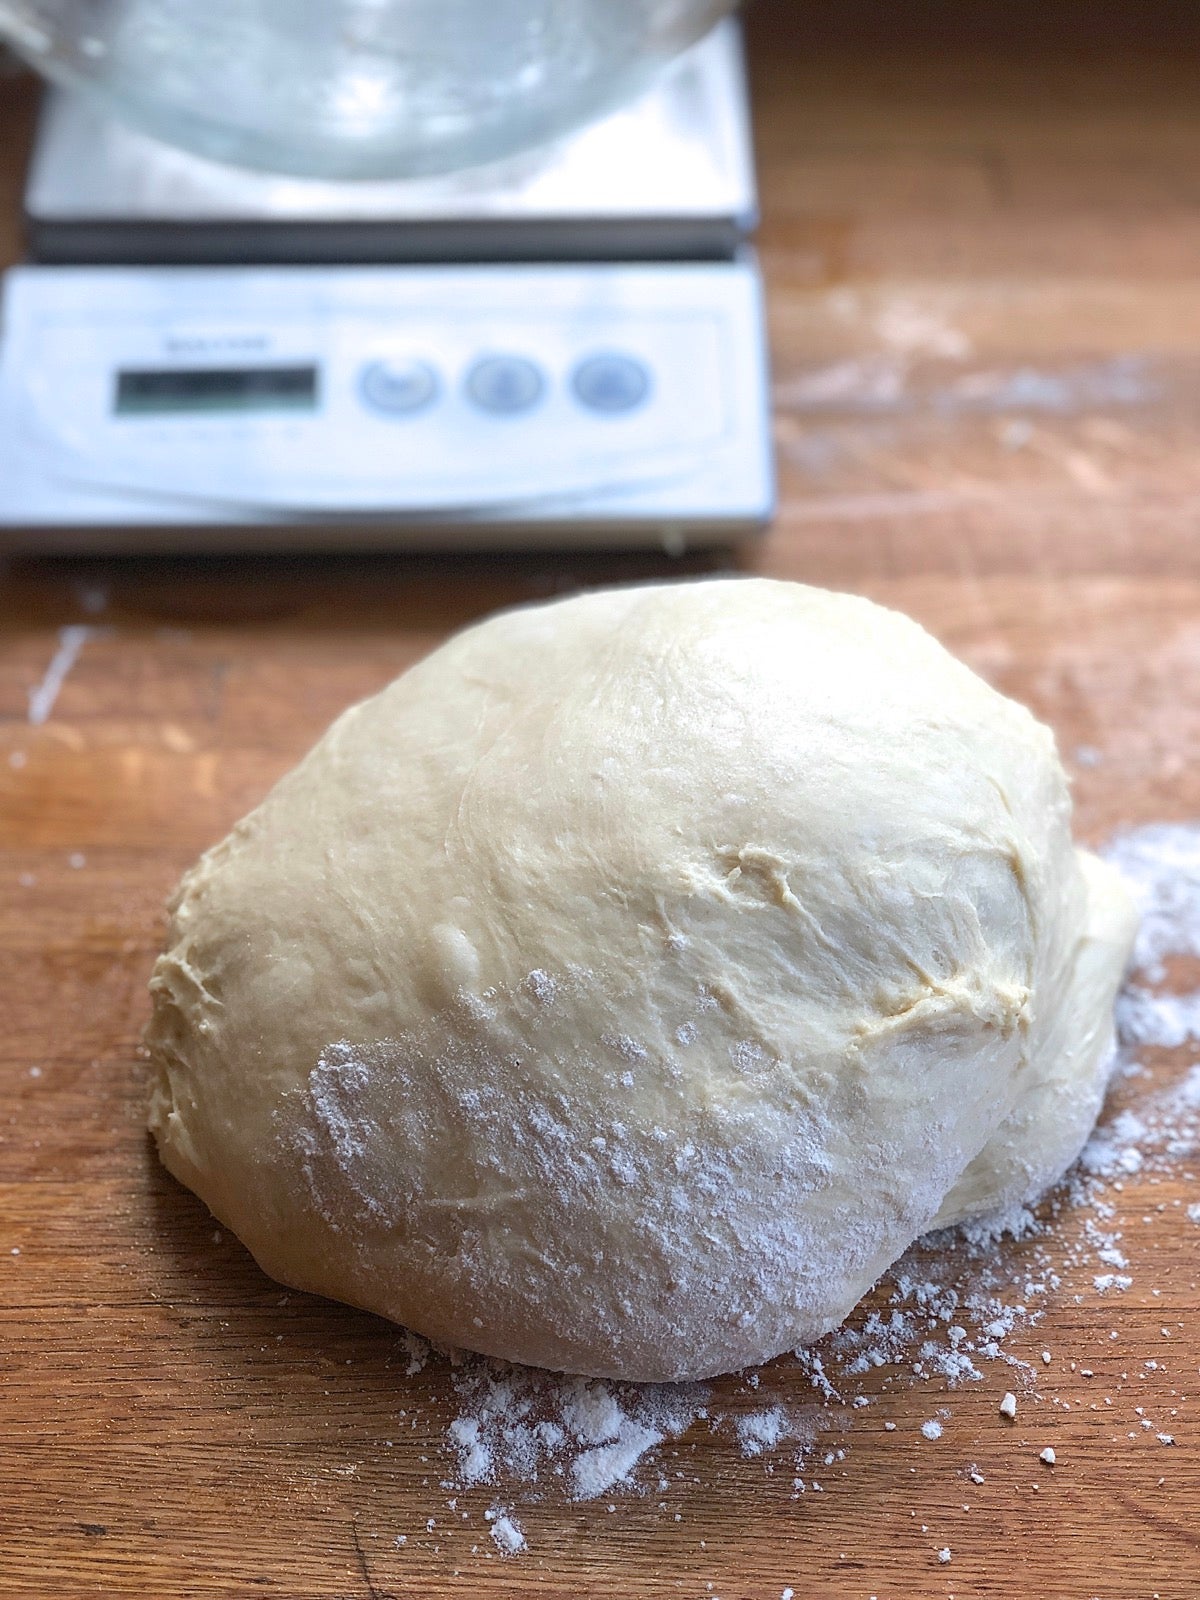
565	349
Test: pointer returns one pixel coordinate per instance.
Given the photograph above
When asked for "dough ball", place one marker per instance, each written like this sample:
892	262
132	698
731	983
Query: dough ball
626	986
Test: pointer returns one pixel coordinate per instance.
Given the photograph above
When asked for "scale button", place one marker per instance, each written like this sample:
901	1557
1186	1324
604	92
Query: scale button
505	384
398	387
611	383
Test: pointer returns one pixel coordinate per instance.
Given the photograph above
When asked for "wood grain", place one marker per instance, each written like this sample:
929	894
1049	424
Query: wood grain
982	248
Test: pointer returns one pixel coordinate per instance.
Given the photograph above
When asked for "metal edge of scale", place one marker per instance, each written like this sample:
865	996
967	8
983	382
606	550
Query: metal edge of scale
668	177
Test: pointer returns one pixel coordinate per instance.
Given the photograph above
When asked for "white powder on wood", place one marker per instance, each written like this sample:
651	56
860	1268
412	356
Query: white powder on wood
1164	1020
761	1430
1104	1281
508	1534
599	1469
43	696
1161	866
519	1425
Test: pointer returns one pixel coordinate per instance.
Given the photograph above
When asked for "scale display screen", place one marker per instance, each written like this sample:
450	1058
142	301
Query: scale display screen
145	391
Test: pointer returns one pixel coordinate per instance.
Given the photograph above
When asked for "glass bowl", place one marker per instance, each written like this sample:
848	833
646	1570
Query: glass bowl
356	88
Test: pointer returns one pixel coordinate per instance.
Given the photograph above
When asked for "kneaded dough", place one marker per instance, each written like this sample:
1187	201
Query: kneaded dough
627	985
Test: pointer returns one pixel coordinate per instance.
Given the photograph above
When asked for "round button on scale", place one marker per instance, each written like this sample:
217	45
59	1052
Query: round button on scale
399	388
611	383
505	385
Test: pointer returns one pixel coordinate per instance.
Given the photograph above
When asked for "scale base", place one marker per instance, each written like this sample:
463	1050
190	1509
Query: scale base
418	407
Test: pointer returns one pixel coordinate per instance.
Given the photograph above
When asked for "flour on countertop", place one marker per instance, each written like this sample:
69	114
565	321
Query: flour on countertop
1164	1020
522	1425
1161	867
507	1532
761	1430
42	696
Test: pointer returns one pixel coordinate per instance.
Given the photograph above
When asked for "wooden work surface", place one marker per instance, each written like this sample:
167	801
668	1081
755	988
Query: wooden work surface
982	253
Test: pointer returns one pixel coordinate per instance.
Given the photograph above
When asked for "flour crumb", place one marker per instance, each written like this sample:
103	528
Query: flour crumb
1008	1406
1119	1281
932	1429
761	1430
417	1350
43	697
944	1554
507	1533
600	1469
475	1460
1047	1455
520	1425
542	987
1161	867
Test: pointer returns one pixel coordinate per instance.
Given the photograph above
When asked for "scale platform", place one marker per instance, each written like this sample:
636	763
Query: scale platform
669	176
564	349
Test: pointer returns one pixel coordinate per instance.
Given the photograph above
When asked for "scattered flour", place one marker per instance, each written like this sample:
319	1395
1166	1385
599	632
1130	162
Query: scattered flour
518	1424
601	1468
42	696
1161	865
507	1532
761	1430
1165	1020
1104	1281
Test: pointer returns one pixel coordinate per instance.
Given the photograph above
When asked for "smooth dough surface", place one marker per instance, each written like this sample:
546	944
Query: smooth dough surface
627	985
